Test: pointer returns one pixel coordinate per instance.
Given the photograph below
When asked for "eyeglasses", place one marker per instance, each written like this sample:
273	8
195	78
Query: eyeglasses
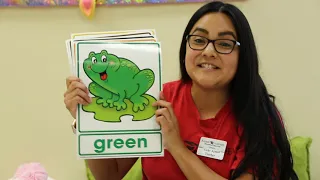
222	46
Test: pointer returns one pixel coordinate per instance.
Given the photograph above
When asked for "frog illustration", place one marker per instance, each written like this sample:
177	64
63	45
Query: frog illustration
115	79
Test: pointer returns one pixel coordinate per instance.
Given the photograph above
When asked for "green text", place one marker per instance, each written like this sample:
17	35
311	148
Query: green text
102	144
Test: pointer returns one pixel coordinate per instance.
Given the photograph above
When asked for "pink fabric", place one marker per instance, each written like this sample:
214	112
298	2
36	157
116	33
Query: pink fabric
31	171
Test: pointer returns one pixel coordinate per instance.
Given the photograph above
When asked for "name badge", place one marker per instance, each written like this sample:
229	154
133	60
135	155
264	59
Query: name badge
211	148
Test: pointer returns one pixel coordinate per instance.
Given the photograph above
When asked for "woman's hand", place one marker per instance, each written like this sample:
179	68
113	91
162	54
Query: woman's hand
166	118
76	93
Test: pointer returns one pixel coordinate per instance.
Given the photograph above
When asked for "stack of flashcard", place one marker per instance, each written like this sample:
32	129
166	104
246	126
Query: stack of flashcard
122	71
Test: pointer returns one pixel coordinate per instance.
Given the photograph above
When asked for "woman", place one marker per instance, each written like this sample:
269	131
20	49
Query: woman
221	97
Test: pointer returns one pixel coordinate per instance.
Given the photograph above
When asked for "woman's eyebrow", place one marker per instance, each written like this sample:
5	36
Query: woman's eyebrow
224	33
201	30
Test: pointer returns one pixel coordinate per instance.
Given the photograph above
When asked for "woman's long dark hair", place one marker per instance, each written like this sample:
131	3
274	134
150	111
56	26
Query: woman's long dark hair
252	105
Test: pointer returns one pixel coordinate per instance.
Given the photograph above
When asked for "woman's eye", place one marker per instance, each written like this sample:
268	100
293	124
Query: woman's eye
199	41
225	44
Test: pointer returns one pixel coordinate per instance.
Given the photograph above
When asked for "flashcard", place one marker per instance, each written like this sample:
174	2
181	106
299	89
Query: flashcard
117	36
94	35
69	55
123	77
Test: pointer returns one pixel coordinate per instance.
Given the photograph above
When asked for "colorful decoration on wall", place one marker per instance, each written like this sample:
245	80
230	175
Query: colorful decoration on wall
87	7
19	3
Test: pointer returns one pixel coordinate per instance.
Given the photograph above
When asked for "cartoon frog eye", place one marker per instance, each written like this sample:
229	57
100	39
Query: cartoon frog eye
94	60
104	58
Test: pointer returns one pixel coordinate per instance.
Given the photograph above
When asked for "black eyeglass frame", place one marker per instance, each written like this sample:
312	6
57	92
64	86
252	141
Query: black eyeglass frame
213	42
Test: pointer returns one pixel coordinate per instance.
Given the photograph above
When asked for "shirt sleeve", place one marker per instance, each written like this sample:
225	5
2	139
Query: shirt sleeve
166	91
240	154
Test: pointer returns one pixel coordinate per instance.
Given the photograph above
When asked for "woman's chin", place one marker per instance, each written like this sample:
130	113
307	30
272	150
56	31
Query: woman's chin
207	83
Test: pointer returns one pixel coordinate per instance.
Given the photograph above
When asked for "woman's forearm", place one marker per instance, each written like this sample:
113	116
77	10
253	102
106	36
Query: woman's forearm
192	167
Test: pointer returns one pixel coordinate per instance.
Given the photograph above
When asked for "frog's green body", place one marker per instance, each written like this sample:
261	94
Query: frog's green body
115	79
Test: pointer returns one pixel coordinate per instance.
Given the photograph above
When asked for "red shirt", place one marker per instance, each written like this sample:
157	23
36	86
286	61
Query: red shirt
222	127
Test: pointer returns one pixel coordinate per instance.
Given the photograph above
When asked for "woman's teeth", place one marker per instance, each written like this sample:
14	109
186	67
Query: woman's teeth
208	66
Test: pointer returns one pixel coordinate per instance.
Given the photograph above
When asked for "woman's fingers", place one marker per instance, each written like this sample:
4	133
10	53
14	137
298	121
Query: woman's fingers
78	93
76	85
162	121
71	79
165	104
163	112
72	103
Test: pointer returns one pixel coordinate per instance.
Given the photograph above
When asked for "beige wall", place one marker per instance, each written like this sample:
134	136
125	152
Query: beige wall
35	124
